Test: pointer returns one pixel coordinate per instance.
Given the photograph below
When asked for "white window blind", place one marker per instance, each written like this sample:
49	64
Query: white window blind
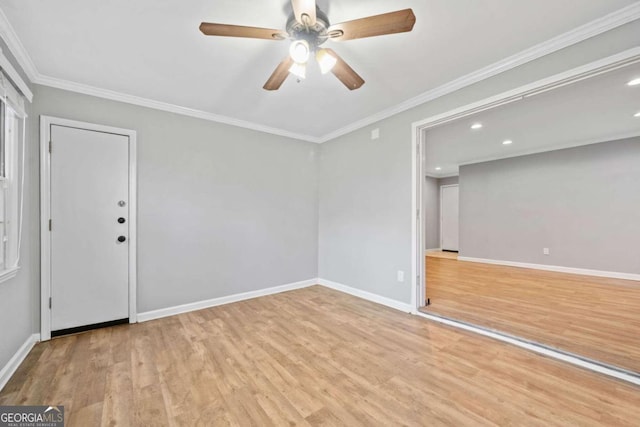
12	156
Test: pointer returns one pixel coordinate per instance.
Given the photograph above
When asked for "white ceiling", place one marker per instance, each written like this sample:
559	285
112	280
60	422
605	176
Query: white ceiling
153	49
598	109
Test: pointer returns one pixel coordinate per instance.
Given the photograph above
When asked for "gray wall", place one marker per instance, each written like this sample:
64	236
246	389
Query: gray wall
582	203
17	318
360	200
365	187
221	210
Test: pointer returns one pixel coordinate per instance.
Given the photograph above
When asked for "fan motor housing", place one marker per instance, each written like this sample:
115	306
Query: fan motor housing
315	35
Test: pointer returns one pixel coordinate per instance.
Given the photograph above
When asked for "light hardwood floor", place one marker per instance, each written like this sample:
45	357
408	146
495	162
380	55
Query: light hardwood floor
443	254
310	357
591	316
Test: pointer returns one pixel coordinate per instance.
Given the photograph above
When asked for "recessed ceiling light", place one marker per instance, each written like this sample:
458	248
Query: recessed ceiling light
507	142
634	82
637	114
476	126
438	168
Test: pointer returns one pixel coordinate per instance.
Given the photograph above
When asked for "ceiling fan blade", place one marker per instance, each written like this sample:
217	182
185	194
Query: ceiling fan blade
304	7
401	21
279	75
345	73
210	29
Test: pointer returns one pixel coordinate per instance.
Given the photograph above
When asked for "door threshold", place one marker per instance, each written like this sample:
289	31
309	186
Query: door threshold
85	328
545	350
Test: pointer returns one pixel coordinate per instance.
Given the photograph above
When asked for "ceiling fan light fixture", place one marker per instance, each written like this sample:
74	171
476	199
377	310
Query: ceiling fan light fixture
299	70
299	51
308	27
326	61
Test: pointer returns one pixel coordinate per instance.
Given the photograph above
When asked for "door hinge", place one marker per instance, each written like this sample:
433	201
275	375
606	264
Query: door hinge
50	225
417	213
49	302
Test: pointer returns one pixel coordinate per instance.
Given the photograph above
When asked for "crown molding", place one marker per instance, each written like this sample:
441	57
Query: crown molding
564	146
8	34
16	48
577	35
165	106
15	77
443	176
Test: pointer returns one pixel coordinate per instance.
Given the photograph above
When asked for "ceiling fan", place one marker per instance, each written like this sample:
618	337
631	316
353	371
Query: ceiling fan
308	28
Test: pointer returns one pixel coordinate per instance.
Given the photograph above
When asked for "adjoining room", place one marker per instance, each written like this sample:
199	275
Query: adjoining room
531	218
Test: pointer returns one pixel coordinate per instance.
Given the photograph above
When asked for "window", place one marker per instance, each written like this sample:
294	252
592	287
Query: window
12	119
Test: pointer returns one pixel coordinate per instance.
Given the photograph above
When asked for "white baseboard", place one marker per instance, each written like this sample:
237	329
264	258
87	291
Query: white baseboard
367	295
199	305
12	365
560	269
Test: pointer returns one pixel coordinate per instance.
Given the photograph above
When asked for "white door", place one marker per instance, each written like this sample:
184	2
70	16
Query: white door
449	217
89	228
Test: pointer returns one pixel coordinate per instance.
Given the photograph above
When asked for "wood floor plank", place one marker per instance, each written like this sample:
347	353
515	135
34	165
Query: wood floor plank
595	317
310	357
117	407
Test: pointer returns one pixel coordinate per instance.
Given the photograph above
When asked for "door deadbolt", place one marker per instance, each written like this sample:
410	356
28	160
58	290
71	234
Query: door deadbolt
121	220
122	203
121	239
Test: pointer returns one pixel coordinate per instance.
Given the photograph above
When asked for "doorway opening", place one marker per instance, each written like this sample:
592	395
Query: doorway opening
534	192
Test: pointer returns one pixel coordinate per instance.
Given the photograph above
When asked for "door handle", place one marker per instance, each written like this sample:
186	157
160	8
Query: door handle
121	239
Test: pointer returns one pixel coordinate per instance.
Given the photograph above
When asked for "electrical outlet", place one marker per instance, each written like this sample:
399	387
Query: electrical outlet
375	134
545	251
400	276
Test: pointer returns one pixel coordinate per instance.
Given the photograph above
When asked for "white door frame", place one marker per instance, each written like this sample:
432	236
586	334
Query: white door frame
45	211
610	63
441	187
